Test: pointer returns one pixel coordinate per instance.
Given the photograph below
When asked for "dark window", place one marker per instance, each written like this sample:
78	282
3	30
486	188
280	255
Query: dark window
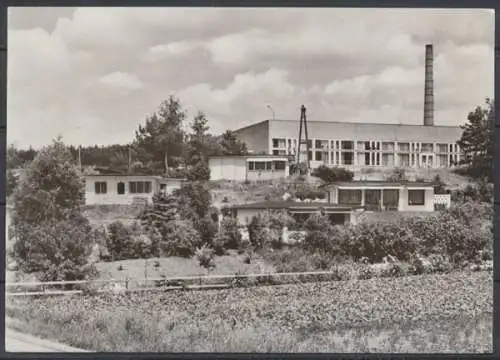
280	165
337	219
251	165
347	158
101	187
367	158
378	159
416	197
319	156
260	165
310	157
350	197
317	144
276	152
347	145
163	186
120	188
140	187
309	143
269	165
367	145
275	143
391	199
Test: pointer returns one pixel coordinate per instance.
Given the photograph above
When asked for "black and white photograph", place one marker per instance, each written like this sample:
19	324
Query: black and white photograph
249	180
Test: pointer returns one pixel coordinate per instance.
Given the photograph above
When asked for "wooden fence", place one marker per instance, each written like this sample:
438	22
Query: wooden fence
164	283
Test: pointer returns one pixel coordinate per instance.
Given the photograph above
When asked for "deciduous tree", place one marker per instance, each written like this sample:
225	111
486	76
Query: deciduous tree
477	141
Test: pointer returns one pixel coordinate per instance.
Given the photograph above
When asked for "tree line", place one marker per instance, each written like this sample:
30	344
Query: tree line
159	142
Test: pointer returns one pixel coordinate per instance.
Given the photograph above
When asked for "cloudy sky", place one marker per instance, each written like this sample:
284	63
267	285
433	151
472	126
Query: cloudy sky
93	74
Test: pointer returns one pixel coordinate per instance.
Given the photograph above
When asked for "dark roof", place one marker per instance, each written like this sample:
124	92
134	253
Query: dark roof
268	205
251	155
124	175
346	123
380	184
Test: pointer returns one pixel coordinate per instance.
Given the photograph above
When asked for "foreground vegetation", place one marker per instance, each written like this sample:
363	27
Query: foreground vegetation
426	313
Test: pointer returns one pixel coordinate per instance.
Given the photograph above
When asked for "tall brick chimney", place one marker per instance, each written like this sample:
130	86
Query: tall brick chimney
429	87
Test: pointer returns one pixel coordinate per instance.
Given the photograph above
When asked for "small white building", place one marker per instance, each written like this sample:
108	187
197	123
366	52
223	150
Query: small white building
125	189
248	167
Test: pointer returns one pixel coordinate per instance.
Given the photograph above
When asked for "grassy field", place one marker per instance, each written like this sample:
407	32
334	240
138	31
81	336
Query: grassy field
177	266
432	313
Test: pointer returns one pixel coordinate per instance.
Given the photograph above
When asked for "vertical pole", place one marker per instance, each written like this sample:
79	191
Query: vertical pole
80	157
307	137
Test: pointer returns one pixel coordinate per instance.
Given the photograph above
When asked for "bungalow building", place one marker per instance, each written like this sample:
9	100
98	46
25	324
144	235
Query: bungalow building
126	189
345	201
300	211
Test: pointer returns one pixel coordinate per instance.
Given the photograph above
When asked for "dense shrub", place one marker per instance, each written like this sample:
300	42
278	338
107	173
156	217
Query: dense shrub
207	228
320	235
397	175
331	174
313	194
199	172
439	185
205	257
56	250
229	236
266	229
375	241
120	242
180	238
479	192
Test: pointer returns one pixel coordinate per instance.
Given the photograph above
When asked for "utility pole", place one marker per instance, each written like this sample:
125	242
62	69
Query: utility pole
303	122
80	157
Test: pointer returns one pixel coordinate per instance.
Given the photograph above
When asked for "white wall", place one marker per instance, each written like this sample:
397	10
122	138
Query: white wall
227	168
112	197
428	203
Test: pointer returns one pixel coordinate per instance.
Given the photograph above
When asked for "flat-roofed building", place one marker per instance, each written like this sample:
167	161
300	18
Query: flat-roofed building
358	145
249	167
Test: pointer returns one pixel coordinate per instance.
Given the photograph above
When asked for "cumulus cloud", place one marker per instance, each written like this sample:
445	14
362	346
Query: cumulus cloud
164	51
122	81
92	73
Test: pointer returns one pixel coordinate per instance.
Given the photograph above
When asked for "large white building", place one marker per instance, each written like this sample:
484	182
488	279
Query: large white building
358	145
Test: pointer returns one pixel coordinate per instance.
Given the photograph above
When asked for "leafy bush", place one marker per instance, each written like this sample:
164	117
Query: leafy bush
205	257
56	250
199	172
266	229
180	238
120	242
397	175
330	174
479	192
375	241
439	185
207	228
229	235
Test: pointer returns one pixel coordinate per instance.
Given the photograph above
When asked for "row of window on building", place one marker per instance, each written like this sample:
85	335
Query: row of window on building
375	198
387	146
134	187
374	153
266	165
